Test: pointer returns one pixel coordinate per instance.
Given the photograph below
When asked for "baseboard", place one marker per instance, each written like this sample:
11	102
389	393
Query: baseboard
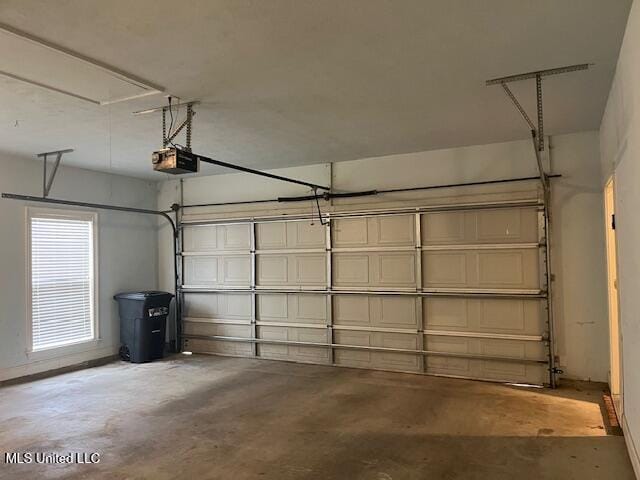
631	447
57	363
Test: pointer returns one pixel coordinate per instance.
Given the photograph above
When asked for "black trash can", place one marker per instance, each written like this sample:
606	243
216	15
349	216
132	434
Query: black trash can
143	324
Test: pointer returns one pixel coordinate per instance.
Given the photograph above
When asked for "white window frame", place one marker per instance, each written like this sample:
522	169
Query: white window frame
60	214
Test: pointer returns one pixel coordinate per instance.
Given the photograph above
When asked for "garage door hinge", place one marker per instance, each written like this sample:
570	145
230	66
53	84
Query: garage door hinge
557	371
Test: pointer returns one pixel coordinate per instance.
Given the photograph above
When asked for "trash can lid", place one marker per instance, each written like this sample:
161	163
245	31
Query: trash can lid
141	295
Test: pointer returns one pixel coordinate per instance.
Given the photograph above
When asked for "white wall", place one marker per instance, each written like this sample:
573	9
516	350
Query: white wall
578	257
578	238
620	154
127	257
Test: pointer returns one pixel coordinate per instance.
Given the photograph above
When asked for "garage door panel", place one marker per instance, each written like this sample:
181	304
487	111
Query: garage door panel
350	232
197	345
352	310
489	250
275	351
309	354
393	360
201	239
310	269
292	308
351	269
353	357
358	338
369	232
504	370
272	333
400	362
395	312
300	353
213	329
219	306
404	362
512	372
201	270
447	365
493	369
309	308
508	269
505	316
217	271
487	370
501	269
516	316
447	344
272	235
216	238
517	225
443	228
291	269
236	270
272	269
375	269
527	350
377	359
374	311
306	235
396	269
272	307
393	230
405	341
290	235
444	269
504	225
447	314
235	237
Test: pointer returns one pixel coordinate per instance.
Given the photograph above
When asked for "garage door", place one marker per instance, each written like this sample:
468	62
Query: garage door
454	291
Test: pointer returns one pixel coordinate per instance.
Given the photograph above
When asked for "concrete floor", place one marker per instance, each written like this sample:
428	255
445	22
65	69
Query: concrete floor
204	417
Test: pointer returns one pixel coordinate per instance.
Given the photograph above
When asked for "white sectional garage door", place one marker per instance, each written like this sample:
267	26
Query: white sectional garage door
457	292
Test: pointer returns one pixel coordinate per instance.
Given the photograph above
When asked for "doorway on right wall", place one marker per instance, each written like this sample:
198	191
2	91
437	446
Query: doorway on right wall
615	335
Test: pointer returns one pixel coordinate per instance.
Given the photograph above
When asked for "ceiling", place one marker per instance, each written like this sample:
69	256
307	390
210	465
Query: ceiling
293	82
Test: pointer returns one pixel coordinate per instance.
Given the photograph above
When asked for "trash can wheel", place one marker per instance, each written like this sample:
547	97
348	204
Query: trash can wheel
124	353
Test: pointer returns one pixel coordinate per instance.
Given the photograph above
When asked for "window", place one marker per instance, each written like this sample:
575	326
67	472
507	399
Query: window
62	271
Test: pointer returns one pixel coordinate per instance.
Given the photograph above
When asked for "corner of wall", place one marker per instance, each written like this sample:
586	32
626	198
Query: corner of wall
634	456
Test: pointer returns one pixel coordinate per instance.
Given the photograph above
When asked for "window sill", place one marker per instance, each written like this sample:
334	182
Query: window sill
64	350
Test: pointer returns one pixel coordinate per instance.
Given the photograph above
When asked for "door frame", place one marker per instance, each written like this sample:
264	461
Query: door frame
613	298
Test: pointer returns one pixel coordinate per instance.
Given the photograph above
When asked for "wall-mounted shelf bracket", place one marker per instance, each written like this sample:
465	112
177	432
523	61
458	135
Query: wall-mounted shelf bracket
47	182
537	131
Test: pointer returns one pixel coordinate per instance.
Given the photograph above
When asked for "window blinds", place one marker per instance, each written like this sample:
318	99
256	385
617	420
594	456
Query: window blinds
62	281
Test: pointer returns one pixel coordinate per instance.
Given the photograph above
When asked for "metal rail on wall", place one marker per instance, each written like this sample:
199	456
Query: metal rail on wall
419	292
327	196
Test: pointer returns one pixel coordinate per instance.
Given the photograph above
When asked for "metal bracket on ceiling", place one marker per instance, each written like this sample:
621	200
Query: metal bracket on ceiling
168	137
166	140
537	132
47	182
